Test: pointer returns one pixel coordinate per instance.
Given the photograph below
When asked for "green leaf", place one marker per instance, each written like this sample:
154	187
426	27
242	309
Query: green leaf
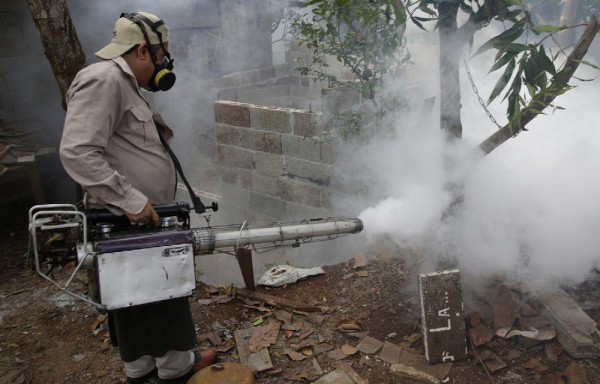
503	81
502	61
516	47
589	64
258	321
503	39
548	28
518	3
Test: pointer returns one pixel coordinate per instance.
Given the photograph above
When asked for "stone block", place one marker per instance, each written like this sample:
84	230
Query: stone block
235	196
337	100
271	119
299	192
227	95
228	135
269	164
267	73
232	113
255	217
306	148
248	77
228	175
267	185
259	93
306	124
442	316
223	82
296	211
316	173
577	332
326	199
282	70
267	205
245	177
261	141
234	157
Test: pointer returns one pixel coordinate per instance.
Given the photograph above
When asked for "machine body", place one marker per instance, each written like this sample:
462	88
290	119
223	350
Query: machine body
132	265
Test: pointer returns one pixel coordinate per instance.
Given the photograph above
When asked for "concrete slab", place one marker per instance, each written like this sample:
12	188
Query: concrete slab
411	373
577	332
419	362
390	353
369	345
336	377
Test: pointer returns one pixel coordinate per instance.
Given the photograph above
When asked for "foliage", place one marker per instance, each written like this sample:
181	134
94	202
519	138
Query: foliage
530	70
365	36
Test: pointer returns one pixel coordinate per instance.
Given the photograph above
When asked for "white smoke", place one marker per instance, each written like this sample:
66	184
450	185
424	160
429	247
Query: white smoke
531	208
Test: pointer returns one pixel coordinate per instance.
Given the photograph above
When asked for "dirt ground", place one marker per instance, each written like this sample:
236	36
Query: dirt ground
46	337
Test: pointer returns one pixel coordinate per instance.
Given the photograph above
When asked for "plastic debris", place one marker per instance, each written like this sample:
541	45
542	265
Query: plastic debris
281	275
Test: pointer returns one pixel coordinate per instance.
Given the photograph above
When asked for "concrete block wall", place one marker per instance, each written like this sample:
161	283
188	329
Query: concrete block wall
271	166
280	85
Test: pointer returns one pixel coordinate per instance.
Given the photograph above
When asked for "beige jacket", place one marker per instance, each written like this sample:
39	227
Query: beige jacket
110	144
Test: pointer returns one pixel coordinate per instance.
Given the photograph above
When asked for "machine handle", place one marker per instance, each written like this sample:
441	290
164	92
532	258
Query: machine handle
181	210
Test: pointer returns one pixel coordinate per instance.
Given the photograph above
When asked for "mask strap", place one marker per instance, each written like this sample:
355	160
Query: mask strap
140	20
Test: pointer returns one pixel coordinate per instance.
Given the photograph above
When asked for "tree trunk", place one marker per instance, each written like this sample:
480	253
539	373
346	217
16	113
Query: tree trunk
570	15
573	61
450	48
61	45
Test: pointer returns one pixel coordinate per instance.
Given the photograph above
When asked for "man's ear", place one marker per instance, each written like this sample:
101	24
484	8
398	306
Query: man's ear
142	51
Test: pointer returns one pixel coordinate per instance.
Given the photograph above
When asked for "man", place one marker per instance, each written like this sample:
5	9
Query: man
112	148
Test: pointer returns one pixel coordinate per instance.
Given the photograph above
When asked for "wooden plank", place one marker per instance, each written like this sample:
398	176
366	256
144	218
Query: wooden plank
442	316
277	301
259	361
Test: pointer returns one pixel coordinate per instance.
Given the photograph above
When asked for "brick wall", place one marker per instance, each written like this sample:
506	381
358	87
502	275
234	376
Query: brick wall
270	164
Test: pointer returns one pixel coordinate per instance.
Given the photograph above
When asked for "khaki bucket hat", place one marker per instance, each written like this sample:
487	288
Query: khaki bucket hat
127	34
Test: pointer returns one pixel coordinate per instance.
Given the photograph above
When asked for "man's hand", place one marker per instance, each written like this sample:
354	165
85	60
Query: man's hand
148	215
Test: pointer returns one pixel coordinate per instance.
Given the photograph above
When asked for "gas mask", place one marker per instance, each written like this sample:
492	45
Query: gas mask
163	77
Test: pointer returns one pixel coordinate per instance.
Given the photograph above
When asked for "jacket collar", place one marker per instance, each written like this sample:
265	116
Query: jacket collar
127	70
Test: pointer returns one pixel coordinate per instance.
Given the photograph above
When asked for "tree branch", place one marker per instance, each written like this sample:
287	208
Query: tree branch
560	82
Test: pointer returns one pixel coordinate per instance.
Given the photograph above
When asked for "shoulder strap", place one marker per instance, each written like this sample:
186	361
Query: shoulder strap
199	207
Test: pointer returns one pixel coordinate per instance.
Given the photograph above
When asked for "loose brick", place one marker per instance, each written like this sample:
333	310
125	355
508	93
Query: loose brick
235	157
232	113
261	141
270	119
